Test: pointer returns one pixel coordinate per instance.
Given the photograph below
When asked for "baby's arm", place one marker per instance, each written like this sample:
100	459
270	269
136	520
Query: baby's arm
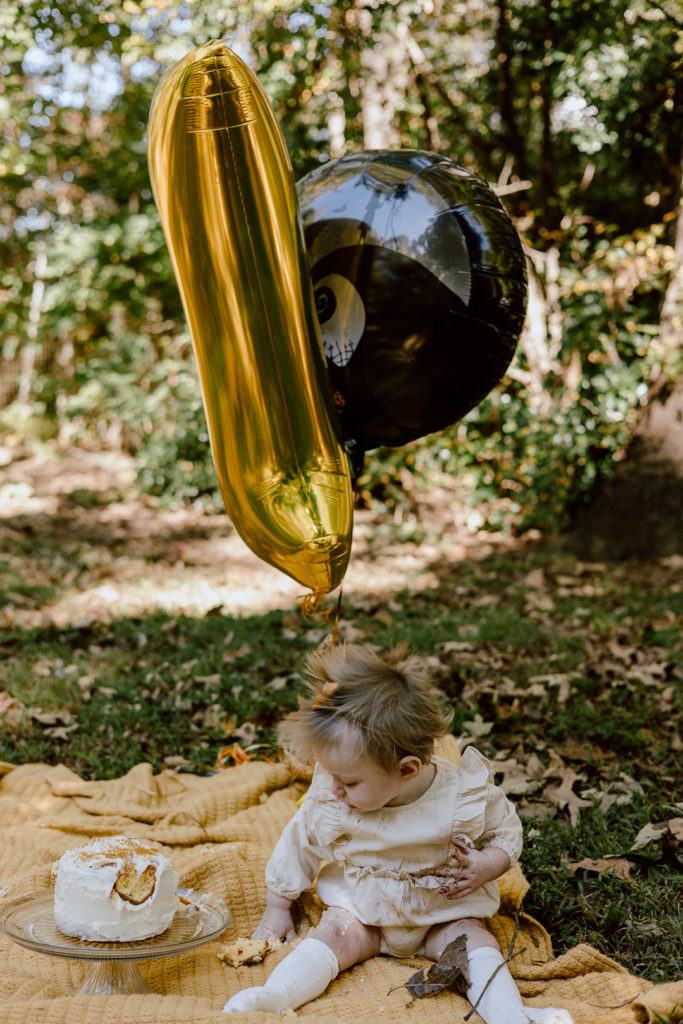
291	869
473	869
276	921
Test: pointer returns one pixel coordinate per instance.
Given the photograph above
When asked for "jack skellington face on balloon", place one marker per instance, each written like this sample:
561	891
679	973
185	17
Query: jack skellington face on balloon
420	290
341	314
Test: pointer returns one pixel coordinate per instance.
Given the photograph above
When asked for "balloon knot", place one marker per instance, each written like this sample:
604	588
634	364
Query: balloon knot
310	604
311	607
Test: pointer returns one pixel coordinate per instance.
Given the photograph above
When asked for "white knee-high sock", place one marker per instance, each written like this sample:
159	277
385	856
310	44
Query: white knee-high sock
303	974
501	1003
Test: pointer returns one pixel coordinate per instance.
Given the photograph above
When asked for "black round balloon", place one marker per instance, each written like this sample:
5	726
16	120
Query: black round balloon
420	287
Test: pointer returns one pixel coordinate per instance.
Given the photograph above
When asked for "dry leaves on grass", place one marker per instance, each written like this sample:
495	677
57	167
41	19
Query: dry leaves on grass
618	866
590	674
666	835
57	724
668	831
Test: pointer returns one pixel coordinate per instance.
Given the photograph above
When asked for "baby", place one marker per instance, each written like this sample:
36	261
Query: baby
404	847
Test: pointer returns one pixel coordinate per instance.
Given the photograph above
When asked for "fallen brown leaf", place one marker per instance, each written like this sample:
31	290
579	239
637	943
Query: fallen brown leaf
7	702
563	796
51	717
618	866
478	727
519	778
653	832
449	973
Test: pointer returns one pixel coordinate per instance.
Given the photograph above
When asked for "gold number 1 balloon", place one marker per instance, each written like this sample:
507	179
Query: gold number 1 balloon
225	191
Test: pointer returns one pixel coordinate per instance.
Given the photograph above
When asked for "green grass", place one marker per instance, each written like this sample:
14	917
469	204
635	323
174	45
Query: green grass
147	689
639	921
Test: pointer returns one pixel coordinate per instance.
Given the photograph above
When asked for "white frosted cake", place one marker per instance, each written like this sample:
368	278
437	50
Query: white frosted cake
115	890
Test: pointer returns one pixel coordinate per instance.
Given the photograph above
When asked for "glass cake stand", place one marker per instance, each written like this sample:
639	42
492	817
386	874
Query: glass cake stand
29	921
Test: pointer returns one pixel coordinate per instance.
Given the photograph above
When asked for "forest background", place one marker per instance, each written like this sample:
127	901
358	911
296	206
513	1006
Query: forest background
133	627
571	109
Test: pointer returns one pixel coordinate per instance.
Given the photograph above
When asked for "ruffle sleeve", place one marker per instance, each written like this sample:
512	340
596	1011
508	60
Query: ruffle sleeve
305	843
483	814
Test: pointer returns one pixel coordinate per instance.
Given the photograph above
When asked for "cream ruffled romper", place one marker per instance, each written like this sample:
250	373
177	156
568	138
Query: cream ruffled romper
379	865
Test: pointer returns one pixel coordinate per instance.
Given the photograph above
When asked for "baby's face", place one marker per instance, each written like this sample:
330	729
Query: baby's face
357	780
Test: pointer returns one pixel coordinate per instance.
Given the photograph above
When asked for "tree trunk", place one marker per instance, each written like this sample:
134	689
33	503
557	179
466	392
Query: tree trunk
541	338
639	513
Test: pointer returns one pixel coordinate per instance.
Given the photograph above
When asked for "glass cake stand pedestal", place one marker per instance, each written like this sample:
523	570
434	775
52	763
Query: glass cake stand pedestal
29	921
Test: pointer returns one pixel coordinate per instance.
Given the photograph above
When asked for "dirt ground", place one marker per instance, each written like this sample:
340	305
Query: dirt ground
110	550
79	524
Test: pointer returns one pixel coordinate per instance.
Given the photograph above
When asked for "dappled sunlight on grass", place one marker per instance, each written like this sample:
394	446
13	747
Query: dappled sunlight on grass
182	590
98	550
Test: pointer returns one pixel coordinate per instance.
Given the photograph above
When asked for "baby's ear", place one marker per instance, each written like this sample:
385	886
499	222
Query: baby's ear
409	766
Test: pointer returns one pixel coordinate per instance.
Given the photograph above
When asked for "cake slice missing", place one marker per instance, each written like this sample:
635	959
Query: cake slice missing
115	889
136	886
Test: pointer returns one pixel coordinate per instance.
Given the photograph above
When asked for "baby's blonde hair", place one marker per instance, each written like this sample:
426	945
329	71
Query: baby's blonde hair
384	697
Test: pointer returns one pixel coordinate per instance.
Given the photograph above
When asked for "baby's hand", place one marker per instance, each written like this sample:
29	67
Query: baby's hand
473	869
276	922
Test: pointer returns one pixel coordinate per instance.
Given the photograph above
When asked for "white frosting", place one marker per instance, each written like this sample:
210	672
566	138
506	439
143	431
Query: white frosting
87	904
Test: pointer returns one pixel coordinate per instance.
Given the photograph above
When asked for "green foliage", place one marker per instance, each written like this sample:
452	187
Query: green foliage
578	107
176	461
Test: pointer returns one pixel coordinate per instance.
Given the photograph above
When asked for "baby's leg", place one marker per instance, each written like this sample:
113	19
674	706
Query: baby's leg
350	941
339	941
498	1000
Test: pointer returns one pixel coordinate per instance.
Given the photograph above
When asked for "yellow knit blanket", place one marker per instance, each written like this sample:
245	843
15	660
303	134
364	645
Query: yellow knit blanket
219	831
